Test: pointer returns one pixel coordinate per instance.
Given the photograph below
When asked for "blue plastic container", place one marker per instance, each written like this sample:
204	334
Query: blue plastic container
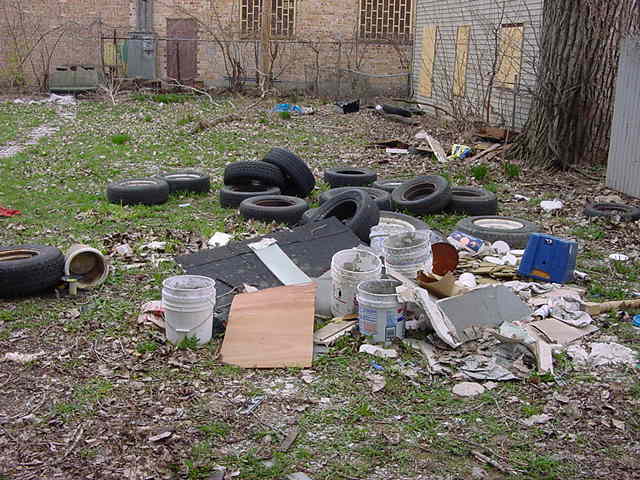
549	259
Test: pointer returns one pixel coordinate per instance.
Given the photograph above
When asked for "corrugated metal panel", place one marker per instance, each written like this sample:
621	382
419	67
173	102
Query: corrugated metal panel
623	168
483	16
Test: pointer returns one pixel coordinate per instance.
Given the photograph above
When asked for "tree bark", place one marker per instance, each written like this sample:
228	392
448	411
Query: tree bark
570	118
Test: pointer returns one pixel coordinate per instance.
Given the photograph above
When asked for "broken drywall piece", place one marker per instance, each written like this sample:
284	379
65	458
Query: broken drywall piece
219	239
603	354
479	367
22	358
486	307
427	351
544	357
559	332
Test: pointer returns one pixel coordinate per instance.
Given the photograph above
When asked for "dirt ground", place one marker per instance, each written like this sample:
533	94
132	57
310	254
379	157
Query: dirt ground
109	398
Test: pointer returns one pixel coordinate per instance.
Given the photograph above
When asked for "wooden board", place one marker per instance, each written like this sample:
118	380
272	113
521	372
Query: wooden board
271	328
462	56
428	57
509	55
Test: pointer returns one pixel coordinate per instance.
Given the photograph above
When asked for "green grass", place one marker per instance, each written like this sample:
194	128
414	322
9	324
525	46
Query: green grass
17	120
479	172
511	170
120	138
164	97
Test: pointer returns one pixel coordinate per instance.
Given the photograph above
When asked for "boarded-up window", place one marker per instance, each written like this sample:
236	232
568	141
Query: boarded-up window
428	54
509	55
462	57
386	19
282	17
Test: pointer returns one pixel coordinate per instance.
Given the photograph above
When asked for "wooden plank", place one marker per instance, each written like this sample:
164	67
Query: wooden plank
509	56
429	35
478	156
272	328
437	149
544	357
462	56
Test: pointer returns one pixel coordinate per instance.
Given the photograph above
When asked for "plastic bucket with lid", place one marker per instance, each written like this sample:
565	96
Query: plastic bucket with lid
87	264
348	269
188	301
381	315
383	230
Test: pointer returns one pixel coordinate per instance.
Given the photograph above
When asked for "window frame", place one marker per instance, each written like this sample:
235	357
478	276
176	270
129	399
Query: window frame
256	24
405	37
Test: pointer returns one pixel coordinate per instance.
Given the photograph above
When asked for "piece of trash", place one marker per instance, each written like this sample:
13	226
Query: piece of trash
377	382
536	420
467	280
288	441
459	152
501	247
494	260
298	476
636	321
603	354
378	351
617	424
437	149
377	366
86	265
184	205
517	196
549	258
307	377
427	352
22	358
160	437
463	241
468	389
618	257
219	239
255	403
297	109
124	250
154	246
328	334
349	107
7	212
397	151
551	205
445	258
593	308
152	312
479	367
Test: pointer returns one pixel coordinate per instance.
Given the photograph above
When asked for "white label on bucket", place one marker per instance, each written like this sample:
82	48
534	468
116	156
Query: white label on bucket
383	324
344	299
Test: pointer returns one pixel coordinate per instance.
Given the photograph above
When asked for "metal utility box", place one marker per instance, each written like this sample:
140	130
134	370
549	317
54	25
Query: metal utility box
141	56
75	78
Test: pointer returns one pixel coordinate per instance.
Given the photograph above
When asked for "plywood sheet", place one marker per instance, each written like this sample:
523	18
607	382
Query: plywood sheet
509	55
425	85
271	328
462	57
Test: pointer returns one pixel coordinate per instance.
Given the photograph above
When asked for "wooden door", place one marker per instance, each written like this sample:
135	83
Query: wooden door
182	50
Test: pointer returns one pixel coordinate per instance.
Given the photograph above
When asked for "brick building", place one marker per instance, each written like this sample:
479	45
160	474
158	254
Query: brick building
337	47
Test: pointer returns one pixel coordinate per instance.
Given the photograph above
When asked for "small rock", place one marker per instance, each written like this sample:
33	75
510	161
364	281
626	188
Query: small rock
124	250
478	473
160	436
537	420
468	389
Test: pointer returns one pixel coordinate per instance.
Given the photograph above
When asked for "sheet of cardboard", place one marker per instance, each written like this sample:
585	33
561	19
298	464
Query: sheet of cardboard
558	332
272	328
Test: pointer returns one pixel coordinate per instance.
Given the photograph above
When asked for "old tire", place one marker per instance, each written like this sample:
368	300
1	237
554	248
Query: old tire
231	196
241	173
491	228
390	184
134	191
423	195
354	208
29	269
349	177
299	179
627	213
187	181
382	198
306	216
473	201
278	208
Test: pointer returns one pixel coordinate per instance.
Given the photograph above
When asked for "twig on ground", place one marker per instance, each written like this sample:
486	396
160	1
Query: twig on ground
494	463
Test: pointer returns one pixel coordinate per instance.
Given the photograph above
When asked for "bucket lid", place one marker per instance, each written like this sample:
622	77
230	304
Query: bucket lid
188	283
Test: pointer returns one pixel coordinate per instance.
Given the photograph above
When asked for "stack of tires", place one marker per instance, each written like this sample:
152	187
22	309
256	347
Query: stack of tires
272	189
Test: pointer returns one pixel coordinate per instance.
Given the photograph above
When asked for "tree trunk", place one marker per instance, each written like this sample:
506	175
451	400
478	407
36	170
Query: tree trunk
570	118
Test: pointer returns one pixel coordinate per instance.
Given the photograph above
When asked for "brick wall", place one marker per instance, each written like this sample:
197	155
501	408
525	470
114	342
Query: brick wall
324	45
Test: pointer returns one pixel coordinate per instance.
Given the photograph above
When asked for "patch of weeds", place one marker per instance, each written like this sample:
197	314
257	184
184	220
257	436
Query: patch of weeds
263	118
492	187
187	119
284	115
529	410
479	172
628	269
148	118
120	138
601	292
163	97
634	391
147	346
215	430
251	466
188	343
446	175
542	377
544	467
511	170
444	223
588	232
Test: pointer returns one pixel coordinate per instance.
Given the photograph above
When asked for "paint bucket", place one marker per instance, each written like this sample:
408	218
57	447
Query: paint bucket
407	253
348	269
188	301
381	315
87	264
383	230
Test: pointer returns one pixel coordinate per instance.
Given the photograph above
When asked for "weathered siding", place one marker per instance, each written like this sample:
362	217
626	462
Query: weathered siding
623	168
485	17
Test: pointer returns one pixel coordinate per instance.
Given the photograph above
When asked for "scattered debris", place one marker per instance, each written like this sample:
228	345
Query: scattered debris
536	420
22	358
479	367
161	436
551	205
7	212
377	382
339	327
219	239
603	354
255	403
288	441
152	313
378	351
124	250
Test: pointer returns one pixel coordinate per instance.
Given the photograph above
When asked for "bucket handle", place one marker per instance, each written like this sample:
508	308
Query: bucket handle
189	330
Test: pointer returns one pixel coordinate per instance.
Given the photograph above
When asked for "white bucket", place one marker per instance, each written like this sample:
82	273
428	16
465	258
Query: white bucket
381	315
383	230
348	269
188	301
